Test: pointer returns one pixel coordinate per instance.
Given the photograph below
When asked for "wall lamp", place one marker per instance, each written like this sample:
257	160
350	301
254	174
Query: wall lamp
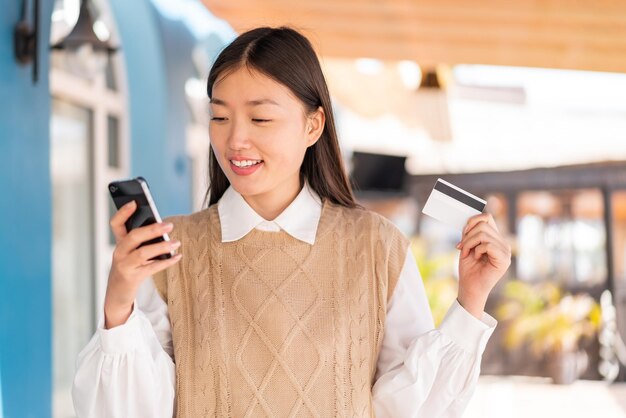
25	37
81	40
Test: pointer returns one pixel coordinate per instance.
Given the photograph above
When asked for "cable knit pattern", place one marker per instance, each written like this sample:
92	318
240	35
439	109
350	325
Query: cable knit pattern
270	326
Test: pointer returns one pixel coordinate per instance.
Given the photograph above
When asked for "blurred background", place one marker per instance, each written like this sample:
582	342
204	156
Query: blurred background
520	102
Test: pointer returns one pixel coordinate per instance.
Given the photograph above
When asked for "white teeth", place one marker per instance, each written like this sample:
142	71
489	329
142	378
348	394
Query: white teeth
245	163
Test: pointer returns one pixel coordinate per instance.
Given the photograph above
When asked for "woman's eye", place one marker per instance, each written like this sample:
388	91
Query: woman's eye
218	119
256	120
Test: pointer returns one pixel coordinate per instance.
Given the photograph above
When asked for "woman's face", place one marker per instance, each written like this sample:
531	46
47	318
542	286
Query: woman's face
259	133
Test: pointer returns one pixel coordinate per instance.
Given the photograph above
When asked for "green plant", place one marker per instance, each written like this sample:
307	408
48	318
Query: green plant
545	319
437	274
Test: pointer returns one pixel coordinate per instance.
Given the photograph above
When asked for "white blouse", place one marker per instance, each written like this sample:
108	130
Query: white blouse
422	371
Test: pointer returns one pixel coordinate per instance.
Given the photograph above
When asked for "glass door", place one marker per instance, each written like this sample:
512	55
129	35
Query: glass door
72	246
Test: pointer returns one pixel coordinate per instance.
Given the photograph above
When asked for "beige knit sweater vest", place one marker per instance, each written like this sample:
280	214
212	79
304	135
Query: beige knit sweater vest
270	326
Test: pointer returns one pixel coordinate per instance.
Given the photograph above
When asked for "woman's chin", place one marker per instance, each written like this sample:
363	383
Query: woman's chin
246	188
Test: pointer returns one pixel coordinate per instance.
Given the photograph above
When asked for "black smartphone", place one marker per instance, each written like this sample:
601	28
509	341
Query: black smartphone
123	191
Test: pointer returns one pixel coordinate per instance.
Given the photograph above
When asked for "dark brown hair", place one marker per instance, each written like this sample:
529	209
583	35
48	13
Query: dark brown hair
286	56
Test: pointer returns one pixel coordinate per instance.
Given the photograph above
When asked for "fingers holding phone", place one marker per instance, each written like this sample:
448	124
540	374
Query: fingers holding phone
143	247
119	219
134	259
145	236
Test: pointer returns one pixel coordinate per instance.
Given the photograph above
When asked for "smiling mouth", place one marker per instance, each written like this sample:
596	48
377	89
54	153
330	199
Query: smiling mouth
245	163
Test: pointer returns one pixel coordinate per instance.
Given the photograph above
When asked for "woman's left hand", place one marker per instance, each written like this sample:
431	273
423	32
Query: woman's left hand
485	257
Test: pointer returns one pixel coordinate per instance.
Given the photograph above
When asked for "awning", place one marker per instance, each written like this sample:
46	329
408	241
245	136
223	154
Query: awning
584	35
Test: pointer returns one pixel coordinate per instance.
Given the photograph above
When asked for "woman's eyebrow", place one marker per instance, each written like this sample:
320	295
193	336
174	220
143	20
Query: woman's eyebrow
261	102
257	102
216	101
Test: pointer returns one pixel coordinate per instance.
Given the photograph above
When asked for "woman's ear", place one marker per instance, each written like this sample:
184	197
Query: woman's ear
315	126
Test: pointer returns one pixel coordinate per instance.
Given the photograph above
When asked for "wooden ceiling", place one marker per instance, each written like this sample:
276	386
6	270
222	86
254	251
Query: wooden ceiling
571	34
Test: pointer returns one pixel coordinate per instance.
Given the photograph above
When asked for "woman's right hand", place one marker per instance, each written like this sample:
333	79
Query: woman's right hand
132	265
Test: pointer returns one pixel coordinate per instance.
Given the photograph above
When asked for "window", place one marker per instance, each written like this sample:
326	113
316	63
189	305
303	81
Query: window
89	148
619	236
562	237
72	246
113	143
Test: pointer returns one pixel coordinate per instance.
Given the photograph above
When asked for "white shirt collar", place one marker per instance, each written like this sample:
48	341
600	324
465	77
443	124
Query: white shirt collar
299	219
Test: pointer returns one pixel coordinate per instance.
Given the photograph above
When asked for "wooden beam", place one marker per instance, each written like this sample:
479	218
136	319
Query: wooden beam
552	34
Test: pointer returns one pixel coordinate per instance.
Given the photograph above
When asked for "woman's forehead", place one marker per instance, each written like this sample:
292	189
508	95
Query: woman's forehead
247	85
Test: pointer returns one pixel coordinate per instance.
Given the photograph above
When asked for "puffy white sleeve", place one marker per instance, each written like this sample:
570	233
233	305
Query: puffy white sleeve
128	371
423	371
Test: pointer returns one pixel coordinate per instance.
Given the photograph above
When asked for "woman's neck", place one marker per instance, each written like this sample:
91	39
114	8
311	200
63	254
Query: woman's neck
271	204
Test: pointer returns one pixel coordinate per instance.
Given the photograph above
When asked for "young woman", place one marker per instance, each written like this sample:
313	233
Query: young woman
286	298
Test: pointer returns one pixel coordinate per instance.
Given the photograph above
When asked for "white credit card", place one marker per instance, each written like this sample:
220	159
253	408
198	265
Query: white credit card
452	205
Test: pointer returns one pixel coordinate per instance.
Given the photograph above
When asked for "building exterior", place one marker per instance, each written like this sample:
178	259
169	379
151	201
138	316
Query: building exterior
64	137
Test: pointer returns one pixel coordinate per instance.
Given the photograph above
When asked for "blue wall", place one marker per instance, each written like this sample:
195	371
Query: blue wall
1	408
156	52
25	291
158	142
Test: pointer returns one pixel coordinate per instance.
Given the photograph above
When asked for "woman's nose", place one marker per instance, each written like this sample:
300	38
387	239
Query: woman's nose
238	137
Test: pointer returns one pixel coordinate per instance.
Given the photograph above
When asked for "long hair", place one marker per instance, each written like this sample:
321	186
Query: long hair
286	56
